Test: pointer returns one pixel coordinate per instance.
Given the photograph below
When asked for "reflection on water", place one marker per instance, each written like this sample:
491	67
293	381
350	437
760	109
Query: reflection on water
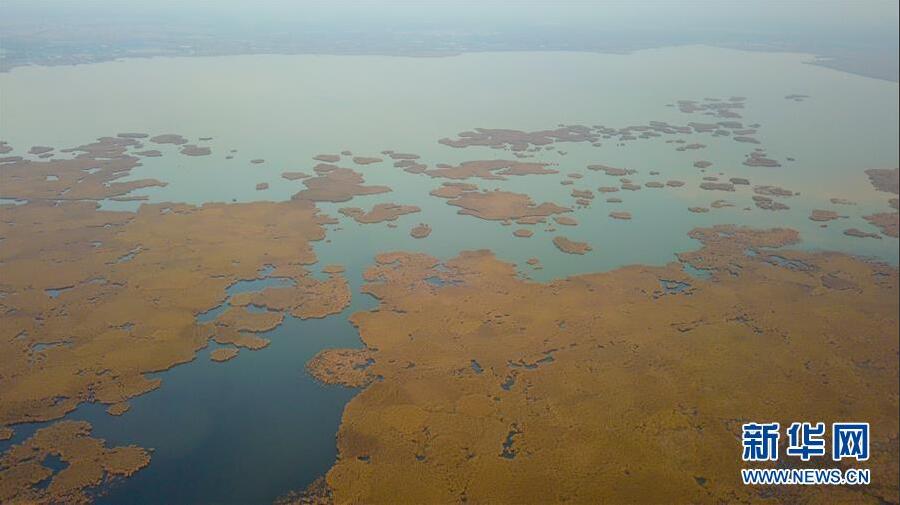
243	431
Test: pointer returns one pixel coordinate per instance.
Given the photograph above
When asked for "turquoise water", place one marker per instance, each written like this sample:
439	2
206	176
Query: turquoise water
286	109
249	429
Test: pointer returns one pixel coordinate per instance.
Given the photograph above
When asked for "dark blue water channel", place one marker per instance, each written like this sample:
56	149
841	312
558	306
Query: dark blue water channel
243	431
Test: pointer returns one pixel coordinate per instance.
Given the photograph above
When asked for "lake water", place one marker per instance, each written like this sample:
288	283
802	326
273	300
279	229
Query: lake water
250	429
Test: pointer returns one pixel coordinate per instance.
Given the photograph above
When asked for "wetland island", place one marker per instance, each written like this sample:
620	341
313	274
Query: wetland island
517	255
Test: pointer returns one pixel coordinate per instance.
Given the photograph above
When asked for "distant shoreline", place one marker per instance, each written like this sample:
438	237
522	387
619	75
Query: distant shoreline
881	66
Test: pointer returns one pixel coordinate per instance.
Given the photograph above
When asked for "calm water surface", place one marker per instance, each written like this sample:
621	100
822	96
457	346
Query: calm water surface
250	429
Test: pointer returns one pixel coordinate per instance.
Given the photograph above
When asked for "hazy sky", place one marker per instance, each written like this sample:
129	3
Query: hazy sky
743	14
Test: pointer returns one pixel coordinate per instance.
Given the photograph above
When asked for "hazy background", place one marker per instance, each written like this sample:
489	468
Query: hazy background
859	36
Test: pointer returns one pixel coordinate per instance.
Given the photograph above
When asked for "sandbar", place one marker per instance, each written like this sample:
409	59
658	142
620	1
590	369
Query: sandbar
169	138
224	354
380	212
570	246
420	230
